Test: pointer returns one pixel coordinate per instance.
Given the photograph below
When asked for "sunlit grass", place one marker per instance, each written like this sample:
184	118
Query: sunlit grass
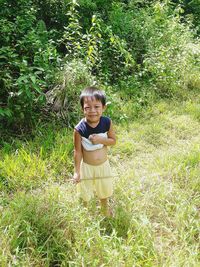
155	203
36	162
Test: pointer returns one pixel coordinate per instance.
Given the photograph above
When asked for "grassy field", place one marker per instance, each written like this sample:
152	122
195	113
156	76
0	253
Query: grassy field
156	200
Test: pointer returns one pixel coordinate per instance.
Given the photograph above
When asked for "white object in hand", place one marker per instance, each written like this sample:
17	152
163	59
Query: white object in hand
89	146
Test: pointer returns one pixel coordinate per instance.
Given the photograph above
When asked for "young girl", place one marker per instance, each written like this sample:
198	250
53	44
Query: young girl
92	135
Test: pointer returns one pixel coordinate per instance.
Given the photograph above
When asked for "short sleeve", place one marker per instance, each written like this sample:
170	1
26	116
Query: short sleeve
80	128
107	123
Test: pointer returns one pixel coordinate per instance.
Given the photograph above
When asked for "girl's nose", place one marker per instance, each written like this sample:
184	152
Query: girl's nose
92	109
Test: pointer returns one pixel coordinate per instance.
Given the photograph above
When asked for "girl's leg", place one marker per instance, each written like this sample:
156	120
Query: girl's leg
85	204
105	208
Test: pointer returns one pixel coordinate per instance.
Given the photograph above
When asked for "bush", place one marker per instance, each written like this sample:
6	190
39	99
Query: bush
134	44
168	64
63	99
29	60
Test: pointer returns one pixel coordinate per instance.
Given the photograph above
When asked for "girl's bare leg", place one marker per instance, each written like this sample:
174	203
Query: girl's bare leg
84	203
105	208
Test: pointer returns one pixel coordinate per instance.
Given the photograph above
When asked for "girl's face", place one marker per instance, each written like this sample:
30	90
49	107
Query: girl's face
92	109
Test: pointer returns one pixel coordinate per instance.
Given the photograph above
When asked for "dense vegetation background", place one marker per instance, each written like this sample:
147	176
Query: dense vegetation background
51	49
146	55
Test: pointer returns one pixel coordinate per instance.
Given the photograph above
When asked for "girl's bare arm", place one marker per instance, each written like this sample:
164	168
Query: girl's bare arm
78	155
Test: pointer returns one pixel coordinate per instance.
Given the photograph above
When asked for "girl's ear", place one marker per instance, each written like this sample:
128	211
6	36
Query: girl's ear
104	107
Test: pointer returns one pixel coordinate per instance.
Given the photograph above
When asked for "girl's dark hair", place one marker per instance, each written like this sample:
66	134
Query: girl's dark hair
93	92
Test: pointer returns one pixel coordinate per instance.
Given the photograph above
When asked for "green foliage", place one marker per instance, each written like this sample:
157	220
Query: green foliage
191	10
122	63
94	46
72	36
136	45
63	99
97	46
28	61
53	13
168	63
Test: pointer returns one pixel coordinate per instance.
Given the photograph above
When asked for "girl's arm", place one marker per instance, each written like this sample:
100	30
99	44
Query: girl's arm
77	156
110	141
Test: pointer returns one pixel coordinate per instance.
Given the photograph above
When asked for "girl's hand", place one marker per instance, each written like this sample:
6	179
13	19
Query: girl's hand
95	139
76	178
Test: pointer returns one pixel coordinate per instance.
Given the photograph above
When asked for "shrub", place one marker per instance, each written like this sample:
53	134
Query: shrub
167	63
63	99
29	60
134	44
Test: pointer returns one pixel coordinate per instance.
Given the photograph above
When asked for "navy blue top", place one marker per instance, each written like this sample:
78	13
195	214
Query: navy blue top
86	130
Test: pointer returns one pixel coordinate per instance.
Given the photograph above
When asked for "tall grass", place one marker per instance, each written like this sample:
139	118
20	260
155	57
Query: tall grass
32	164
155	203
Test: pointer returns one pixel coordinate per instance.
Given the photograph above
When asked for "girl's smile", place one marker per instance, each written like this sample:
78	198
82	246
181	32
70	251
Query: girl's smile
93	110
